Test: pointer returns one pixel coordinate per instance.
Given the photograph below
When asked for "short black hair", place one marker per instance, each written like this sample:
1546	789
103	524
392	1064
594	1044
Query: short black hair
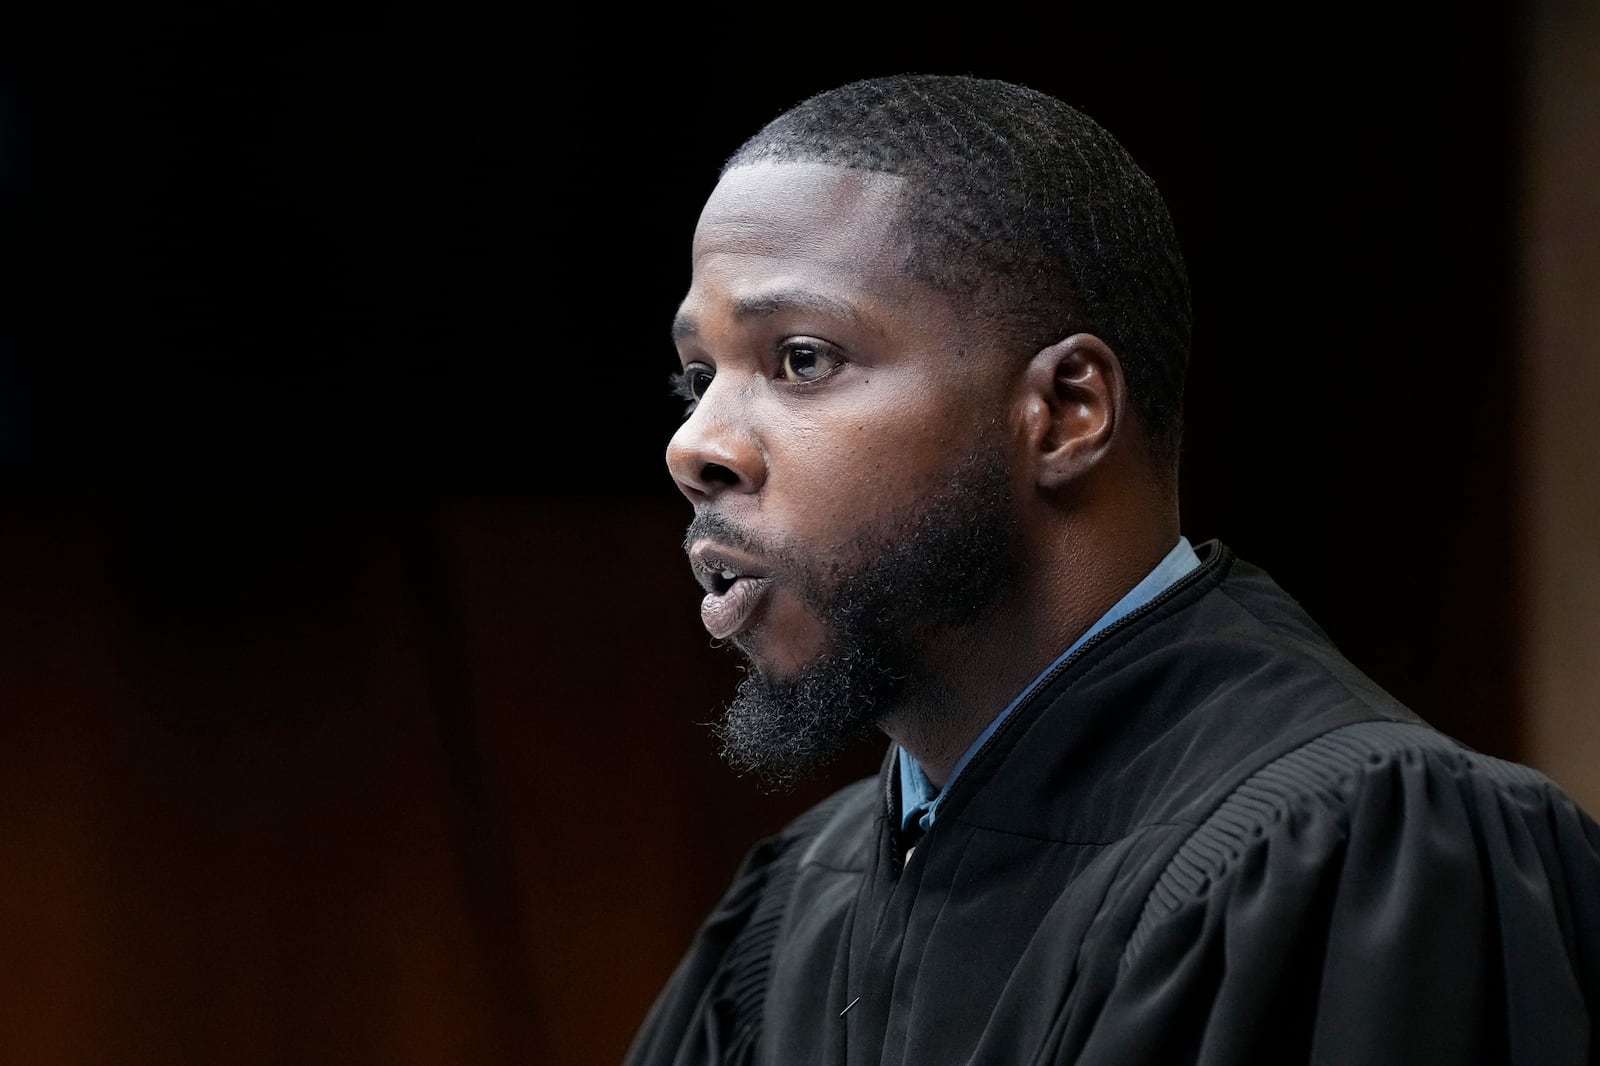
1025	206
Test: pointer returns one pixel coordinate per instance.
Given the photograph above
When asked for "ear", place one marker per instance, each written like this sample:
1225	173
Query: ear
1074	398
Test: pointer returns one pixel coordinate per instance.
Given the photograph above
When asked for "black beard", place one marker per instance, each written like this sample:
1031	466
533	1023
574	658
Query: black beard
924	574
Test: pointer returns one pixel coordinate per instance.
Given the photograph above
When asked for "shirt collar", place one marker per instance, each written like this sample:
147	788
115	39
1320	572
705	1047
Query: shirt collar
919	800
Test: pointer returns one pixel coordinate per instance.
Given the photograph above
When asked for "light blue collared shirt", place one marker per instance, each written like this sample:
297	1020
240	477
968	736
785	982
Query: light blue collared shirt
918	797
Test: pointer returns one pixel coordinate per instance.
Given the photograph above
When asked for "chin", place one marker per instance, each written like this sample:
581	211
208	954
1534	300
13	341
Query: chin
781	657
783	726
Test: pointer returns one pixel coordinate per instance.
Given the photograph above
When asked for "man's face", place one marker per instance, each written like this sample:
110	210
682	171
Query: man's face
845	455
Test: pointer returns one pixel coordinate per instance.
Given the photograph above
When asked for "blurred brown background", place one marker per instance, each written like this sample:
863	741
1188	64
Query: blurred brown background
353	689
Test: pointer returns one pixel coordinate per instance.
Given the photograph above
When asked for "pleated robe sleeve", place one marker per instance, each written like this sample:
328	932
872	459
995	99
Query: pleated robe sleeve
710	1011
708	1014
1359	903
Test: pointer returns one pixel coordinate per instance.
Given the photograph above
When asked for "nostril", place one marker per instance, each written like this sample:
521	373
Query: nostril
717	474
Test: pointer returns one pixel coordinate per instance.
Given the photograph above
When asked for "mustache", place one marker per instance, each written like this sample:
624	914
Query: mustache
709	524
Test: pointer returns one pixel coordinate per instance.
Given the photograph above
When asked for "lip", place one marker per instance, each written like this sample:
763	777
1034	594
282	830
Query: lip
729	608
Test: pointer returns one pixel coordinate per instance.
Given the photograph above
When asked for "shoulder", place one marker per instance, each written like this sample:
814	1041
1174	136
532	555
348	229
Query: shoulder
1380	894
710	1009
1390	801
836	831
855	802
833	831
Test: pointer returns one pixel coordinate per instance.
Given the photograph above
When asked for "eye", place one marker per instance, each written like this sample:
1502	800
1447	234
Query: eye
806	361
691	383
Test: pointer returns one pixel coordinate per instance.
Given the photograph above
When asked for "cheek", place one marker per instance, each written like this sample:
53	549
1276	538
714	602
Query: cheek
879	442
844	472
830	467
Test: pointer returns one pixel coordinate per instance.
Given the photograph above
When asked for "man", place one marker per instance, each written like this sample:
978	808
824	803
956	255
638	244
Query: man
1136	807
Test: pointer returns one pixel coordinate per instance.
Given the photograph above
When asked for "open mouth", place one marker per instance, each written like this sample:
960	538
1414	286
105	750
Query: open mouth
734	594
730	607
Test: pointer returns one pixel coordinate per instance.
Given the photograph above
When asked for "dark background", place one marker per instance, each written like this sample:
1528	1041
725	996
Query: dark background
353	684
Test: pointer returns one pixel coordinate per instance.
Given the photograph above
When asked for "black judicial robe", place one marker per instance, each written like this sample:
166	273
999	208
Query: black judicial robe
1207	838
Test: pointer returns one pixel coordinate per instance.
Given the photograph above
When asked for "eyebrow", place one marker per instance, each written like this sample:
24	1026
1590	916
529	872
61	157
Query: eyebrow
764	304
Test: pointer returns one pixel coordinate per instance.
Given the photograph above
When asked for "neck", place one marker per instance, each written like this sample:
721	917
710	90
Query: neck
971	674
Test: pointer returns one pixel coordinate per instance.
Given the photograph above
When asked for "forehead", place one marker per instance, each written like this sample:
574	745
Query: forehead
794	228
813	210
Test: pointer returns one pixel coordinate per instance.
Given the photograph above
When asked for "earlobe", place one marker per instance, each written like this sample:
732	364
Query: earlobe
1074	397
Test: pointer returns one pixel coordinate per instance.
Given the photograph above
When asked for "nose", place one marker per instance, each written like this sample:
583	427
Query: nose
714	451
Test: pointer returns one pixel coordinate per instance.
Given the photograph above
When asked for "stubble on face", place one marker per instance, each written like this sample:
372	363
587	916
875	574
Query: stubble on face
912	580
